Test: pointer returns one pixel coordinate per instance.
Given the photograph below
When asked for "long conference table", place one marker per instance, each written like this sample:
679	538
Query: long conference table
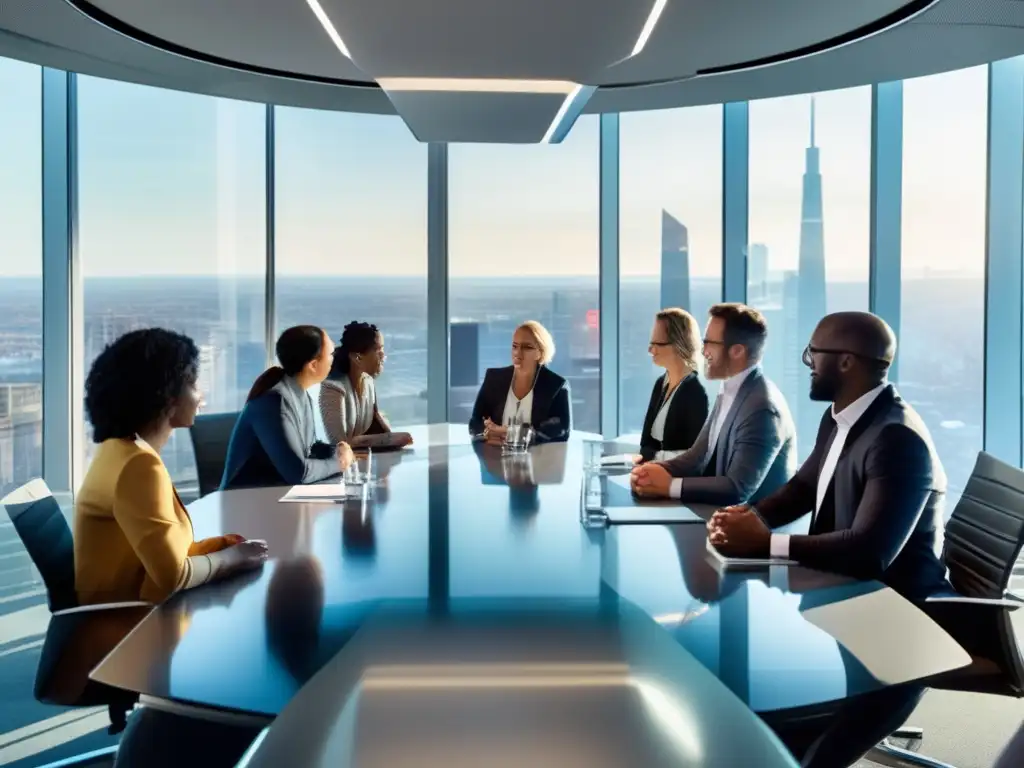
462	557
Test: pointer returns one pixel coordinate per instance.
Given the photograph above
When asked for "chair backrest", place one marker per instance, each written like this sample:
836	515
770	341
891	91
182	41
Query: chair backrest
986	531
211	434
40	524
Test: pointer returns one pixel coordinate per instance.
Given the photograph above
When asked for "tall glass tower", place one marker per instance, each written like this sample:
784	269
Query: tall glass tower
811	292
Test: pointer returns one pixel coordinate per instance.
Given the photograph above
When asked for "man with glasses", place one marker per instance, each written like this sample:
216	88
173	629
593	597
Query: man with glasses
873	483
747	447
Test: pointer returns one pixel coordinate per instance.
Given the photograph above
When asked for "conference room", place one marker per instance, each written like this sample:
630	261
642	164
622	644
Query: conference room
419	168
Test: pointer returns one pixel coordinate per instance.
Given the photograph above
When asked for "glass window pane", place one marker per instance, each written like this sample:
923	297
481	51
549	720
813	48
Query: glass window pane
351	231
942	322
172	231
21	282
809	222
670	235
523	245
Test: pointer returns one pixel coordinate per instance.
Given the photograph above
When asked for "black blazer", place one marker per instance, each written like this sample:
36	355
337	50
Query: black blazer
685	418
882	516
552	411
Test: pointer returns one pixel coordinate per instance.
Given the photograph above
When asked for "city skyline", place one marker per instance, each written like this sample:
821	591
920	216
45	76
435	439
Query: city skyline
149	163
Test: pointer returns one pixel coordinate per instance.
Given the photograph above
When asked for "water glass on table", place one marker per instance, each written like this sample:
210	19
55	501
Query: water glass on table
593	452
360	471
517	438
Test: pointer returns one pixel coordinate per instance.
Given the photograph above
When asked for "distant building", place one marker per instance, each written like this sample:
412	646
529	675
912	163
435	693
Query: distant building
757	272
675	263
811	301
21	433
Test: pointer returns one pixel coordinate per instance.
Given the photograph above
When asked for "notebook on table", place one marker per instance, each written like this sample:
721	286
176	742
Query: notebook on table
744	562
325	493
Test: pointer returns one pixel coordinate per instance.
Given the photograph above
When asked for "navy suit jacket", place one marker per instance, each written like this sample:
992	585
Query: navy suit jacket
882	516
552	409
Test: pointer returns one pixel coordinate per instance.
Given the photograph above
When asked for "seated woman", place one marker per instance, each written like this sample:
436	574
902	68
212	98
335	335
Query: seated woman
274	440
348	398
679	403
133	537
526	392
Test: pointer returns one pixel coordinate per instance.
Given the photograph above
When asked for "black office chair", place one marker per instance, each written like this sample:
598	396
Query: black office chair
211	434
984	538
77	637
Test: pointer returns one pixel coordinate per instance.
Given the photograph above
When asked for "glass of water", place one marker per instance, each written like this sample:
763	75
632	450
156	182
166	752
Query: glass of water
517	439
360	471
593	452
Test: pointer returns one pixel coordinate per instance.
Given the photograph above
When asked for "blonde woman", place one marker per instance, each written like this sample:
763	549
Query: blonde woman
526	392
679	403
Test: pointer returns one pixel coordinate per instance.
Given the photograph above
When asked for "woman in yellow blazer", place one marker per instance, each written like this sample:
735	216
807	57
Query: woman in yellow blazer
133	536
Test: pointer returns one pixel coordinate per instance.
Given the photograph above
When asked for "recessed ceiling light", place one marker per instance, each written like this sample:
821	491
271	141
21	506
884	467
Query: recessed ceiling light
475	85
652	20
325	22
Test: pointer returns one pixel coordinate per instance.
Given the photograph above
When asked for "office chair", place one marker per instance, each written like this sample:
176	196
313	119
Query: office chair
77	637
211	434
984	537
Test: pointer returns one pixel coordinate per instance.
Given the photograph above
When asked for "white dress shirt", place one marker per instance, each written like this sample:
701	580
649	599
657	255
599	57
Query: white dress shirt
845	420
723	404
658	427
517	411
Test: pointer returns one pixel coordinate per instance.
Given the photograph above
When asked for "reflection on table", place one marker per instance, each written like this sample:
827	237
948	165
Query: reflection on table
444	531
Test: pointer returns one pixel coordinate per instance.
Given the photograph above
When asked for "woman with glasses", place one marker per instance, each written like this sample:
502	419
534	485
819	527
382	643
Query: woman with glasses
526	392
679	403
348	398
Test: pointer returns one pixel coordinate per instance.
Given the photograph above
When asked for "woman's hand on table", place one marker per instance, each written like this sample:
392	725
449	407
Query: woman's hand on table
493	433
345	456
246	555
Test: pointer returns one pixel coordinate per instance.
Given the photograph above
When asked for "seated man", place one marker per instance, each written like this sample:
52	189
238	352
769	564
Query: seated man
873	481
747	448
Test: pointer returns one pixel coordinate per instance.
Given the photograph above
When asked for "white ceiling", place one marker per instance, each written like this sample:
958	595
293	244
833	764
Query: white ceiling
276	51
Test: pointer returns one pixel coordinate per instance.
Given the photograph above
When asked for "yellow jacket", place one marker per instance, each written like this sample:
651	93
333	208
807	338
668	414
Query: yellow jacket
132	533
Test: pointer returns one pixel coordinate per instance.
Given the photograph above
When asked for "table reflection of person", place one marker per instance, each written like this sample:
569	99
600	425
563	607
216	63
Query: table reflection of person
358	535
294	609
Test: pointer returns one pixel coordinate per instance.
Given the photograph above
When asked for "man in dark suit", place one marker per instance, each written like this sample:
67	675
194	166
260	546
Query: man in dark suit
873	482
747	447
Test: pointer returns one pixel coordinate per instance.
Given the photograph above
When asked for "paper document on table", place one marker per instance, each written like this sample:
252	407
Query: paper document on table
621	480
651	515
894	639
618	460
745	562
325	494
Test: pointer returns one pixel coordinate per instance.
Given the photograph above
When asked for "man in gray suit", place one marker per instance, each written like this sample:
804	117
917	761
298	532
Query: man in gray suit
747	448
873	484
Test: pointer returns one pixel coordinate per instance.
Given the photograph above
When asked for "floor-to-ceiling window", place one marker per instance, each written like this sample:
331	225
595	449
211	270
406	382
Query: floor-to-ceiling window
523	244
172	232
670	234
942	318
21	284
351	231
809	220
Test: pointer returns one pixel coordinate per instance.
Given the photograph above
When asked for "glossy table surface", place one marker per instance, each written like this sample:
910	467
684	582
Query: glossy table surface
452	531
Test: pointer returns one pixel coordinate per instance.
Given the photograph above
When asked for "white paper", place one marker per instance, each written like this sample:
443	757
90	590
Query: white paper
618	460
911	646
621	480
649	515
747	562
326	493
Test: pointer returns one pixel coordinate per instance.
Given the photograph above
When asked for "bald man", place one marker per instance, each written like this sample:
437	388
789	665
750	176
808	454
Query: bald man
873	483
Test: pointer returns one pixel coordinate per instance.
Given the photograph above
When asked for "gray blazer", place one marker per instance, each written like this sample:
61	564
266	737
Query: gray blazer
274	442
756	451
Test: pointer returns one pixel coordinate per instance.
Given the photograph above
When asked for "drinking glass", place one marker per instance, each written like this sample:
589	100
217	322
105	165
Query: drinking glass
517	439
593	452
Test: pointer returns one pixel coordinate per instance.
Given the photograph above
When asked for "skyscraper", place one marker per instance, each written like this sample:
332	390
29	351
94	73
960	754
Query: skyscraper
811	297
675	263
757	272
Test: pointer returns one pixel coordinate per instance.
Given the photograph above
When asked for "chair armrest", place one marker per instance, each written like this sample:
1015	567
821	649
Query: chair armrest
1009	602
101	607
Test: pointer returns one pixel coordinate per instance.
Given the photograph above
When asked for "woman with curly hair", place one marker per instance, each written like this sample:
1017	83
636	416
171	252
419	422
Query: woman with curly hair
133	537
348	398
274	440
